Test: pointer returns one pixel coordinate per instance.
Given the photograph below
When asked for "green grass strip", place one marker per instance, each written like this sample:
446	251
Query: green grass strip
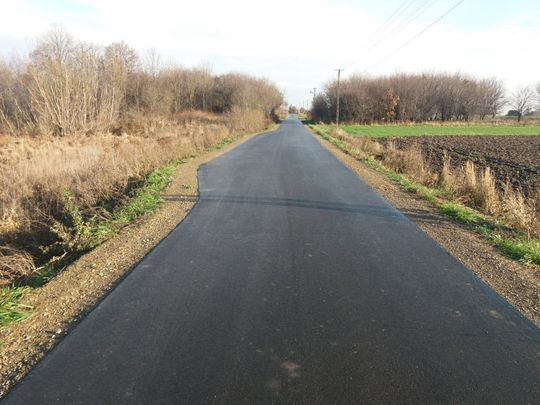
148	197
10	308
399	130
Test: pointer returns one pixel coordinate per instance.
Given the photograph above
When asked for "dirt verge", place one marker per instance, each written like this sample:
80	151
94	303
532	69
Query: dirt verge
68	297
517	283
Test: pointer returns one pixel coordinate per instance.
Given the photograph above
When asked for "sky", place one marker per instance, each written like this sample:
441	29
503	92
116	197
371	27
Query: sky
299	43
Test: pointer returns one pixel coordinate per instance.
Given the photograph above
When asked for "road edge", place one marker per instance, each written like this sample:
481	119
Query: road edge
63	302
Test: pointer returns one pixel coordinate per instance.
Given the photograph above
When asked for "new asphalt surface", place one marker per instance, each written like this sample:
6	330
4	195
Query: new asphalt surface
293	282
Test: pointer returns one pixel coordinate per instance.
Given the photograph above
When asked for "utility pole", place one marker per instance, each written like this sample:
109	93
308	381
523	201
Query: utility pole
337	96
314	92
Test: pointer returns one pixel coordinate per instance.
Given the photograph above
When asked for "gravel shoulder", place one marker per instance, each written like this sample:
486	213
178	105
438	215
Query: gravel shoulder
517	283
60	304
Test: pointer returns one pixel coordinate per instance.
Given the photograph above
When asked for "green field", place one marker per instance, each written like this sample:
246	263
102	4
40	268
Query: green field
434	130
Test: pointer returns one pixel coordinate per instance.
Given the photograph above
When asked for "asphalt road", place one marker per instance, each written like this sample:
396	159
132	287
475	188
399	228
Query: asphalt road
292	282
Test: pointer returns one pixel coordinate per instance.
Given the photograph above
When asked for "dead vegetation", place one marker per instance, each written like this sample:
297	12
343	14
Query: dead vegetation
100	172
473	186
14	264
82	129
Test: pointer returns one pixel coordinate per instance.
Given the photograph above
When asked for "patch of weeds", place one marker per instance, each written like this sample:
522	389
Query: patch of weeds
148	198
81	234
10	308
526	251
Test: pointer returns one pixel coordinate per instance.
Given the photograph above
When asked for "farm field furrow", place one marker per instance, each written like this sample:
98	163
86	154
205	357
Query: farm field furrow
512	158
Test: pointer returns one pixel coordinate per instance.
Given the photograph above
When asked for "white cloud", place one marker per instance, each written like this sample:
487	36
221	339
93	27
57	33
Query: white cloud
509	52
232	28
19	21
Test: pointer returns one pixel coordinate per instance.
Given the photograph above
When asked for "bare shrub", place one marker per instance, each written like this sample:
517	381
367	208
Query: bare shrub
466	183
340	134
68	92
478	189
368	145
14	265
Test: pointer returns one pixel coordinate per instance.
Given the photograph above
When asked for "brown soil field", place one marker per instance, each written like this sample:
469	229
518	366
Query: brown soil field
512	158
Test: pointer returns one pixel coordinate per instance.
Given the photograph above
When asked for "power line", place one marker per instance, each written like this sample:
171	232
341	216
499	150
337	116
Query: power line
416	36
388	21
387	35
396	18
424	6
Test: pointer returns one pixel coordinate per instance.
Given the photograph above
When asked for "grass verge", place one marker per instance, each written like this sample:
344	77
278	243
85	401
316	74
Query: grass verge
508	241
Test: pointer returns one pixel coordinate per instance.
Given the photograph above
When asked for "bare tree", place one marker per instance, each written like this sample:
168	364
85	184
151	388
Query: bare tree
522	101
490	97
68	86
413	97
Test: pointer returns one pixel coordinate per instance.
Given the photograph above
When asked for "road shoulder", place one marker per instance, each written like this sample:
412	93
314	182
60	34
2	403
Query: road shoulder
517	283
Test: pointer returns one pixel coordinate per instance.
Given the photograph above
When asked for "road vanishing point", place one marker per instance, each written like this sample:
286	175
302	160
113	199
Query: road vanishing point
293	282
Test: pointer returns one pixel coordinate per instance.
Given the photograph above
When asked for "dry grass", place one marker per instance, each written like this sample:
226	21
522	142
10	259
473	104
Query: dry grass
467	184
14	265
409	161
521	212
478	189
100	171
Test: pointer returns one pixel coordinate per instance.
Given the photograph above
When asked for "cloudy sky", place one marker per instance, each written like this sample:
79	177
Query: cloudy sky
299	43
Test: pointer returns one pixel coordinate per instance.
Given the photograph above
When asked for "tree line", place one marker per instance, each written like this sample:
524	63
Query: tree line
418	97
66	86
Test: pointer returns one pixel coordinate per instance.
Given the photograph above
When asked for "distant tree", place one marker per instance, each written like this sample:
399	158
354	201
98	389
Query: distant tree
522	101
293	109
391	105
490	93
319	108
